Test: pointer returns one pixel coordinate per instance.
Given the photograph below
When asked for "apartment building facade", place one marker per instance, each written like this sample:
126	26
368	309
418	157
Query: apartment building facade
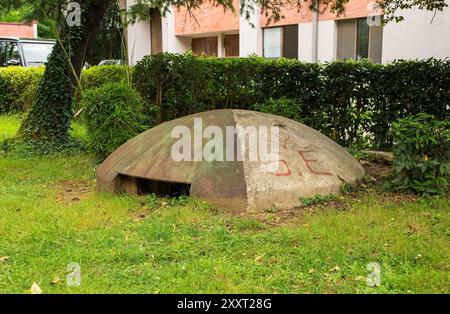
355	34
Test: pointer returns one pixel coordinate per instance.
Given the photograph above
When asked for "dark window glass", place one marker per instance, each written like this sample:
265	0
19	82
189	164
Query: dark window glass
290	42
12	52
362	44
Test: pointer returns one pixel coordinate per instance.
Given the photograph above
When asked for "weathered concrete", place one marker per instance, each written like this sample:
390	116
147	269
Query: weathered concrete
310	164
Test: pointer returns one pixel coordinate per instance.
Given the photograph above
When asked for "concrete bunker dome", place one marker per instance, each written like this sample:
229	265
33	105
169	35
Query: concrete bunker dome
310	164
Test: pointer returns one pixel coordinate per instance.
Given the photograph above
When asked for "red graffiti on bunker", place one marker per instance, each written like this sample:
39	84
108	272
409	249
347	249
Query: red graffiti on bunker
306	160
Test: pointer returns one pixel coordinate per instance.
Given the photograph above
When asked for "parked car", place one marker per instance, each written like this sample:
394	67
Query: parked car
111	61
24	52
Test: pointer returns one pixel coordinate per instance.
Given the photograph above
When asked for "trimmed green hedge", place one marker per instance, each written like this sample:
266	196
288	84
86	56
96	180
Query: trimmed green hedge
96	76
16	84
354	103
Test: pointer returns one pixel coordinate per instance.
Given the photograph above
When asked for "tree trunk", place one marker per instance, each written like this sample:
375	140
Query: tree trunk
51	112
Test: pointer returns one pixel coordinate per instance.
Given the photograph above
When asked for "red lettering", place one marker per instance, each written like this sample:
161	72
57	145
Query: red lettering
310	161
283	174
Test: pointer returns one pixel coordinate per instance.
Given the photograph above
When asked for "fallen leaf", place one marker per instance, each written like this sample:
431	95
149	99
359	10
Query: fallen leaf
259	258
55	281
4	258
35	289
335	269
311	271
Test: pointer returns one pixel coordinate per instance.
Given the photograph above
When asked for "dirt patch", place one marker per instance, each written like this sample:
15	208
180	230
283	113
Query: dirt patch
286	217
73	191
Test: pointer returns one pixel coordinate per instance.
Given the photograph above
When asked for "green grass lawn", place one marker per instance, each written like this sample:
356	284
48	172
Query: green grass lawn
51	215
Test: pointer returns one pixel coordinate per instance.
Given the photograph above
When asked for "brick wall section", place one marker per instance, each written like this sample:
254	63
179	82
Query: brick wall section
353	9
207	19
17	29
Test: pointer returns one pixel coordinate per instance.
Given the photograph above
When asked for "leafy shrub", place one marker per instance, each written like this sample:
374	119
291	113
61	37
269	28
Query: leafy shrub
28	95
348	99
96	76
172	85
422	154
113	115
286	107
233	82
407	87
14	81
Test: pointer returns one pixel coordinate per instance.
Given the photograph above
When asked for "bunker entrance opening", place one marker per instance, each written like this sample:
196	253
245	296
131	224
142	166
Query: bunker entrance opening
144	186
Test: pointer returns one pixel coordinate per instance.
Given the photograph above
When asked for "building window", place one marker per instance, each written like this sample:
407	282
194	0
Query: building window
357	40
231	43
281	42
273	44
205	46
362	39
12	54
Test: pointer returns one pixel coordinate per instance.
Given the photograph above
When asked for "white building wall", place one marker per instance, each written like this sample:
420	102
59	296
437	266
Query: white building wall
250	37
417	36
326	42
172	43
138	39
305	41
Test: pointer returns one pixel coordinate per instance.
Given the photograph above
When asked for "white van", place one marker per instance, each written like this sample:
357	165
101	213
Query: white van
24	52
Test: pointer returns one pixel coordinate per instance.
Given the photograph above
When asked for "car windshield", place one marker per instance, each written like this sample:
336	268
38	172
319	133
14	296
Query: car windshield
36	53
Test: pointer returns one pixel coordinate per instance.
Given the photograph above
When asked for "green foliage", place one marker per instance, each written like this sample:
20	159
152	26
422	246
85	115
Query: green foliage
272	209
405	88
113	115
27	96
354	103
96	76
14	81
18	85
308	201
173	84
108	42
422	154
51	112
283	106
359	154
